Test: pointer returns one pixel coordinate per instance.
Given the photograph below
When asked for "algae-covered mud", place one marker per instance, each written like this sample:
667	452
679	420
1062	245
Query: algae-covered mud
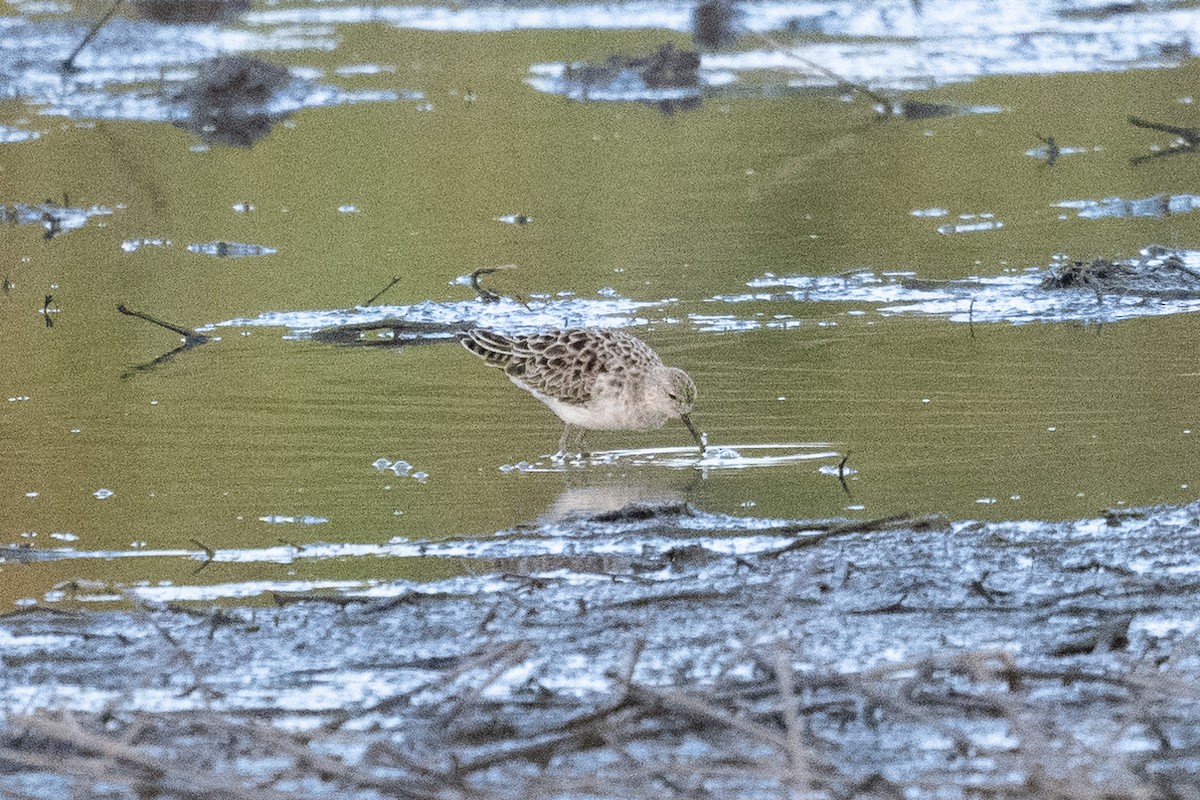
927	262
635	655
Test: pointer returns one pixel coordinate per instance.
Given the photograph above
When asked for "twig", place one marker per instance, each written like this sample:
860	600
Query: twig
685	596
865	526
504	660
410	788
1190	139
886	102
190	336
68	64
145	771
209	555
675	700
485	295
1053	151
798	754
379	294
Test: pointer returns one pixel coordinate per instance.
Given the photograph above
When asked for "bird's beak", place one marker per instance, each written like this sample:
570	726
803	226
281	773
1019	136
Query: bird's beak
692	430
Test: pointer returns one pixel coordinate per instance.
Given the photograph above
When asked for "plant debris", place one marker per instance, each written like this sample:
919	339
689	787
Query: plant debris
893	658
229	101
1158	273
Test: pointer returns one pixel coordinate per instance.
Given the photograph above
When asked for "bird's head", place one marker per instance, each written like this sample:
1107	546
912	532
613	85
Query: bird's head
680	390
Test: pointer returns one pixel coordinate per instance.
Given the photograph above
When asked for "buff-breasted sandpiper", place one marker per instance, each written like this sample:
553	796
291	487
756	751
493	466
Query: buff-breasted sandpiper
592	378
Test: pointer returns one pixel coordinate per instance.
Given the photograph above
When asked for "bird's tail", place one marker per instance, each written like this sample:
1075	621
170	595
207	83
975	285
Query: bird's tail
496	349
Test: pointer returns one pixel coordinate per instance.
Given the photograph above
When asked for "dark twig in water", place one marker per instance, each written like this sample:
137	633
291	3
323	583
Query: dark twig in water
46	311
971	317
190	339
886	102
68	64
52	222
485	295
815	534
1053	151
392	332
907	109
188	334
1189	139
380	293
842	472
209	555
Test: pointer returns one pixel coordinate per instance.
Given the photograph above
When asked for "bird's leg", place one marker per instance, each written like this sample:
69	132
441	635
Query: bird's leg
561	455
571	435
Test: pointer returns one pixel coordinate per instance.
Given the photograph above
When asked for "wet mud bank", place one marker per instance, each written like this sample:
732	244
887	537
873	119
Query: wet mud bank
907	657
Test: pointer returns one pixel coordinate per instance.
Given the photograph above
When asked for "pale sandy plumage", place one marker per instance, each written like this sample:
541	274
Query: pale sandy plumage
596	379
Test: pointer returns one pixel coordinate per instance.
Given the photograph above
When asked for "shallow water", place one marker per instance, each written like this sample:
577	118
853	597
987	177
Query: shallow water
778	241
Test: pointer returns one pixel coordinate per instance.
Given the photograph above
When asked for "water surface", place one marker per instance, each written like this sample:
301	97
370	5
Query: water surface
419	142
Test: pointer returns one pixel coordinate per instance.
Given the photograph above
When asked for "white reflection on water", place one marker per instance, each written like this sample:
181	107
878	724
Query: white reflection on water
687	457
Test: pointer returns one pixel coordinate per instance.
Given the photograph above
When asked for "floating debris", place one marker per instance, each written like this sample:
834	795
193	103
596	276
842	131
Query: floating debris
55	219
1159	205
714	24
401	469
443	320
9	135
285	519
667	76
920	109
390	332
231	249
1160	273
514	219
1160	282
972	223
133	245
229	102
184	11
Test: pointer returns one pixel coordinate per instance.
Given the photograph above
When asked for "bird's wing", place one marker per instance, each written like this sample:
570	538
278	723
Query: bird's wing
563	364
557	364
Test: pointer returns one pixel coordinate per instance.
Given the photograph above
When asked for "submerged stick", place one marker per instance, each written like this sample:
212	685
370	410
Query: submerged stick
190	339
68	64
886	102
1189	135
1190	139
